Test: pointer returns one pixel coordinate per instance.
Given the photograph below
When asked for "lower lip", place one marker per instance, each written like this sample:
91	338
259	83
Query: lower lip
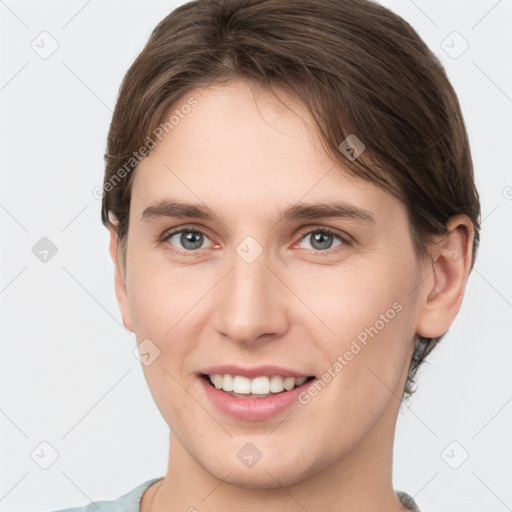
253	409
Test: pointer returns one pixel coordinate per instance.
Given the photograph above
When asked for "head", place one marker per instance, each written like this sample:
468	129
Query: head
252	108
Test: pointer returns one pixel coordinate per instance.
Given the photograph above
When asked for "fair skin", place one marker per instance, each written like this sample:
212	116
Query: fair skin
299	305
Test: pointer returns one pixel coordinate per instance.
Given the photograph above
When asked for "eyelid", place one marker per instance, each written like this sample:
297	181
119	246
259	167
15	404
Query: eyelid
171	232
343	237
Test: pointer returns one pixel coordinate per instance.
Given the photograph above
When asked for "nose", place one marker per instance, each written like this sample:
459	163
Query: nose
250	303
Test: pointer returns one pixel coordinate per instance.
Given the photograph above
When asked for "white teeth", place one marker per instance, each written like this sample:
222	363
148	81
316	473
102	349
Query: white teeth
240	384
276	384
217	381
300	381
227	383
260	386
289	383
257	386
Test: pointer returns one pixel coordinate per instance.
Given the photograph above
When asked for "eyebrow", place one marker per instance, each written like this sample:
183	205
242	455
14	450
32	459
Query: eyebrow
301	211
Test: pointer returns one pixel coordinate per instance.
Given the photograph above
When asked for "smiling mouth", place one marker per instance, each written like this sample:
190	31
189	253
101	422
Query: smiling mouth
259	387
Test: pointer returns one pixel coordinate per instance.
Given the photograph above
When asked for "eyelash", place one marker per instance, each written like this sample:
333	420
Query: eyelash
344	239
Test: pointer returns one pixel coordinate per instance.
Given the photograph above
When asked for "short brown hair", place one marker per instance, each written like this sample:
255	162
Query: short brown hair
358	68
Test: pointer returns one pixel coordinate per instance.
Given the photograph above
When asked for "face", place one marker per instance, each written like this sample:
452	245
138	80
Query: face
271	289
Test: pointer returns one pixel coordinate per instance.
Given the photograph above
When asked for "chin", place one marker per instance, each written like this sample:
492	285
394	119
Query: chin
263	475
261	479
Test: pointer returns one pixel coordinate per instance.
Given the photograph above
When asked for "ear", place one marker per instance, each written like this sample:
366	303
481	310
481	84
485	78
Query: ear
119	275
444	287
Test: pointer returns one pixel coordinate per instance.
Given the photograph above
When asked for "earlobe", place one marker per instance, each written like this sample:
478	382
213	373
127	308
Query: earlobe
119	277
443	291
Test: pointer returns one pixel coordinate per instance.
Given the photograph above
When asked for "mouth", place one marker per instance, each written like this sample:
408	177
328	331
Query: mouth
263	386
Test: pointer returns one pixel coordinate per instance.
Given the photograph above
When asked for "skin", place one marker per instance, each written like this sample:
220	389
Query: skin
248	156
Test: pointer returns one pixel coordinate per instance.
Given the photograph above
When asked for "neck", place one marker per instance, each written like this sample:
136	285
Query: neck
360	480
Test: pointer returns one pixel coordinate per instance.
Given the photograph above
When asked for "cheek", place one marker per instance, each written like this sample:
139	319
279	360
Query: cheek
165	310
370	312
159	296
350	298
169	307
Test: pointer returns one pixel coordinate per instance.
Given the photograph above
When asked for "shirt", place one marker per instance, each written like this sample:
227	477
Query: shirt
130	502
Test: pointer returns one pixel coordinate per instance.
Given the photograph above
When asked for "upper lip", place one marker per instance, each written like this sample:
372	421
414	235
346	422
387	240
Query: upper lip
251	373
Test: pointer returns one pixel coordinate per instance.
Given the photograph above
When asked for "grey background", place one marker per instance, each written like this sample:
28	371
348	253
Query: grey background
68	374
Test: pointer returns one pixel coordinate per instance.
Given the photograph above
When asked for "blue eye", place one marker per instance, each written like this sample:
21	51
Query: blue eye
322	239
190	239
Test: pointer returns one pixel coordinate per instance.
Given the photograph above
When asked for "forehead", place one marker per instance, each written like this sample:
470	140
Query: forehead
241	147
241	122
